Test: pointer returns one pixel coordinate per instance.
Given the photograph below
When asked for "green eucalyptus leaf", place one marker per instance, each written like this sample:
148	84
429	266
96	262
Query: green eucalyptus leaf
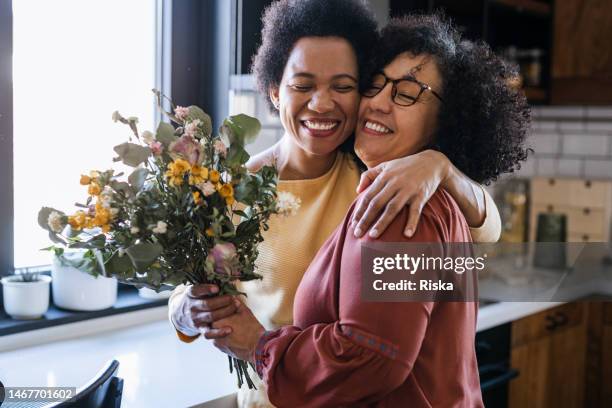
137	178
236	156
241	129
197	113
144	254
132	154
165	134
118	265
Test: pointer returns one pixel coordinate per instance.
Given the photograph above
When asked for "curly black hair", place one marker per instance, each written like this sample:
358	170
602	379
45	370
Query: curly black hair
484	119
287	21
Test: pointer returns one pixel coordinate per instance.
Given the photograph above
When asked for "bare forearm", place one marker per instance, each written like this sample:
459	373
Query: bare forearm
468	194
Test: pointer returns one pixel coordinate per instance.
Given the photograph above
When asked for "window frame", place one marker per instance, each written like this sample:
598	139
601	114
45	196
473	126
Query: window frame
190	34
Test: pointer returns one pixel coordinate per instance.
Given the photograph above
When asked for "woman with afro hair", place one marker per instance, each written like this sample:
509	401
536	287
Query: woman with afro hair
314	60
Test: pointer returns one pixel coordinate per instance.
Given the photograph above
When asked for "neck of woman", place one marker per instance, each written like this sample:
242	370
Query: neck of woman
294	163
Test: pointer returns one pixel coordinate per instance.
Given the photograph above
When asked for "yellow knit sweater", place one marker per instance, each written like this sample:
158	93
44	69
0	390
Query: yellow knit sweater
292	242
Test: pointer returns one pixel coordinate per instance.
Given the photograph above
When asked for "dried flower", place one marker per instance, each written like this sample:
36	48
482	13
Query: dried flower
187	148
207	188
160	228
56	222
223	256
192	127
157	148
181	112
220	147
287	203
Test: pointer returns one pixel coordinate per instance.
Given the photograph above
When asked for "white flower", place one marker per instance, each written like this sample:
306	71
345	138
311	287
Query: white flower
160	228
55	222
114	211
207	188
287	203
192	127
116	116
220	147
121	252
147	137
134	230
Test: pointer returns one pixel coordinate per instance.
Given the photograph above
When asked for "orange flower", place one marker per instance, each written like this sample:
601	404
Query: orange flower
226	190
85	180
210	232
94	189
214	176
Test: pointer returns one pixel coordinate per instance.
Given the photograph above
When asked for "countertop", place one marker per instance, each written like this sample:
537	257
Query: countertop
158	370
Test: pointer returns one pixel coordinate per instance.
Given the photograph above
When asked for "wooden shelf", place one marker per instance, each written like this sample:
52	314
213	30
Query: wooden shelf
530	6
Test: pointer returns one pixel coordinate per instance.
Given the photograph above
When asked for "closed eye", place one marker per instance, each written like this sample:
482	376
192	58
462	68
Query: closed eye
301	88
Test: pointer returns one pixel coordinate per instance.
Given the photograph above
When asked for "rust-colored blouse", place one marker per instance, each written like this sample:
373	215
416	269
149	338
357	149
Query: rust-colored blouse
342	351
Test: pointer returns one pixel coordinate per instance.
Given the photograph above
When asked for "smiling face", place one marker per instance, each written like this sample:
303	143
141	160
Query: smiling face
318	95
387	131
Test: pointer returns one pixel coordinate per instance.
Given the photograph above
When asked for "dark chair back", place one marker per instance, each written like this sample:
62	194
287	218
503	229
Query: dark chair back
103	391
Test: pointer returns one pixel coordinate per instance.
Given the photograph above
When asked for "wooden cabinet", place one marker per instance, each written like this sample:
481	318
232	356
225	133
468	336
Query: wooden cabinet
586	204
549	350
599	355
582	56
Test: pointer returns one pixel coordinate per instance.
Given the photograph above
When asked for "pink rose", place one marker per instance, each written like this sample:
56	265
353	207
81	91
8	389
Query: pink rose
188	148
181	112
157	148
225	260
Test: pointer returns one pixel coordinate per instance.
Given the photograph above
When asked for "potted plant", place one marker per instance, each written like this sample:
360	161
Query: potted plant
79	287
26	295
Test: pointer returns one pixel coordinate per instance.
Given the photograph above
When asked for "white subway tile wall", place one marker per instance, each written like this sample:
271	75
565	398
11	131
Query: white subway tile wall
574	141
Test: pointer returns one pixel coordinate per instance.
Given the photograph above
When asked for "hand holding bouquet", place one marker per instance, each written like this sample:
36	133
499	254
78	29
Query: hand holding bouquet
189	212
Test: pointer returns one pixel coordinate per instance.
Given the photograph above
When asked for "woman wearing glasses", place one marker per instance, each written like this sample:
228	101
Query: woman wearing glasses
433	90
312	61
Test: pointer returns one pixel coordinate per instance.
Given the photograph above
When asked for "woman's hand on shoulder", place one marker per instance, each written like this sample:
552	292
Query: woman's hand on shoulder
408	181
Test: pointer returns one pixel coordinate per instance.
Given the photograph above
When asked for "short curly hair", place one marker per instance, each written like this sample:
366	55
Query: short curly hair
287	21
484	120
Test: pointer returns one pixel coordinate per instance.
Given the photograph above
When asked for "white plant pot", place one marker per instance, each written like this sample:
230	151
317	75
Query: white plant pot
147	293
26	300
77	290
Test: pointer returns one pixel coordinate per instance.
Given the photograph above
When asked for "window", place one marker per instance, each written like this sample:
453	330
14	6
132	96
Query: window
74	63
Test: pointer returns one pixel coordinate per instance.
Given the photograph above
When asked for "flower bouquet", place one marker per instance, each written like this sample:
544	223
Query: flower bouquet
190	212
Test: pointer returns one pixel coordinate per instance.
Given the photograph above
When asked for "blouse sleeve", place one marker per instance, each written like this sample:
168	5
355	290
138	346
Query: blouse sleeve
173	301
364	355
490	230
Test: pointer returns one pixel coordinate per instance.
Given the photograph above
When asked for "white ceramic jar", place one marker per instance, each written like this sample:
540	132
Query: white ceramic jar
25	300
77	290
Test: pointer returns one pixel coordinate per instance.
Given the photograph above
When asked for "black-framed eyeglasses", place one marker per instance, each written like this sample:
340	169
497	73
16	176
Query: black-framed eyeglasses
404	92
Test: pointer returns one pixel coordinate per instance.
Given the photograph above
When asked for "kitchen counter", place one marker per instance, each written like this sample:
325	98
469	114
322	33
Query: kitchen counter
158	370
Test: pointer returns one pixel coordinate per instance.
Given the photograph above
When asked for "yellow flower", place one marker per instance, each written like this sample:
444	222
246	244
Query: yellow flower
77	221
179	167
214	176
210	232
85	180
198	175
106	228
226	190
176	171
197	198
94	189
229	200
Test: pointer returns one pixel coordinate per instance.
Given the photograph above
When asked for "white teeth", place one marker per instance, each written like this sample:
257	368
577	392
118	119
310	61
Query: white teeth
320	125
377	127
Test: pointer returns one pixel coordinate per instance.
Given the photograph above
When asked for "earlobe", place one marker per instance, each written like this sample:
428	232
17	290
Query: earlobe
274	97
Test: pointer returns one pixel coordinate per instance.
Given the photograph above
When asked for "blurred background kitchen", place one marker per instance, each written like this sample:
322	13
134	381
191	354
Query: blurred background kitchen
67	65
